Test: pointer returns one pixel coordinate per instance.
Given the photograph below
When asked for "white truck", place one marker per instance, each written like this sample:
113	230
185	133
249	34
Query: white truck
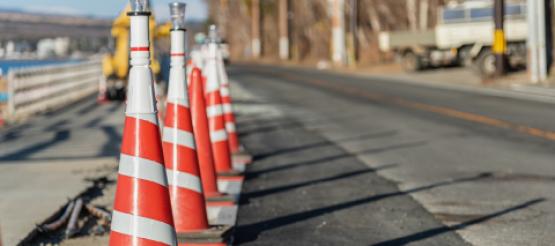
463	36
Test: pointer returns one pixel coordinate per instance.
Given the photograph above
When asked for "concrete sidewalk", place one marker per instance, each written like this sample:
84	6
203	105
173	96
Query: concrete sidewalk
51	158
31	192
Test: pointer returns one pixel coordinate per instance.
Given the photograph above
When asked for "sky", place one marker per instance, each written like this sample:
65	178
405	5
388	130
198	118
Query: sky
196	9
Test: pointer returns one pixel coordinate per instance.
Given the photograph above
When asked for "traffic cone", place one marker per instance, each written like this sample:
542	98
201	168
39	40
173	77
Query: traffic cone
239	156
186	192
202	135
189	68
142	211
229	117
221	208
214	111
189	208
229	180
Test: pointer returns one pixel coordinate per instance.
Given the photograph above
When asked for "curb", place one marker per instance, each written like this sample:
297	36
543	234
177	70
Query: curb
516	91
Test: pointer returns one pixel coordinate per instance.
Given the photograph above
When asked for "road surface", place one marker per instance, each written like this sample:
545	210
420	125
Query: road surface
340	160
482	166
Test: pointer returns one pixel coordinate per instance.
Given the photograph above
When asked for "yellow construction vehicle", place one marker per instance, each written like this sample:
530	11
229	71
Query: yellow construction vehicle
115	66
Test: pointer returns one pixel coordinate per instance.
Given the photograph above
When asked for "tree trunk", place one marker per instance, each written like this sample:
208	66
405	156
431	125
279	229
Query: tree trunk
411	14
424	6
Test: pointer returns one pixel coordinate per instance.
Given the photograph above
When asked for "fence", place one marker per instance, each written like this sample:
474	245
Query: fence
38	89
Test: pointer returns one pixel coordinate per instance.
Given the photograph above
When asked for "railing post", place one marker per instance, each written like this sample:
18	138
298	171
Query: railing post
10	112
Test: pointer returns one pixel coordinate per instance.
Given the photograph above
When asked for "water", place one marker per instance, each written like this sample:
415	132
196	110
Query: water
6	65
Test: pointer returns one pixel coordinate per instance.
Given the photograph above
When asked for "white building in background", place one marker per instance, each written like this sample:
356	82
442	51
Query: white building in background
53	47
10	49
61	46
45	48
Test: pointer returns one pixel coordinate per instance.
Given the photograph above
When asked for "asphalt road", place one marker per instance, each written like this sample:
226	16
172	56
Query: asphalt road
448	167
340	160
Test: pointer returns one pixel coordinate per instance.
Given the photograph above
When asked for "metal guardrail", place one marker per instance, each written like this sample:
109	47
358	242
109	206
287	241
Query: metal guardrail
37	89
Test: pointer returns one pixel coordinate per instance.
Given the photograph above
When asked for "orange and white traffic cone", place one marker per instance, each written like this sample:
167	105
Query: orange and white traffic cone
221	208
142	209
239	156
214	111
202	135
186	191
228	179
189	208
229	117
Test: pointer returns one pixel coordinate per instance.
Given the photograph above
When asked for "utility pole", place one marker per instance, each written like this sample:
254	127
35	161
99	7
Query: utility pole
532	40
255	26
499	43
283	29
536	41
542	39
353	26
223	18
411	14
338	31
423	18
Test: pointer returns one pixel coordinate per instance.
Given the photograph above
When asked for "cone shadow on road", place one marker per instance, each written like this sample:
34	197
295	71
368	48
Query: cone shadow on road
109	111
92	105
444	229
362	137
328	159
56	126
250	232
282	123
24	153
112	144
255	194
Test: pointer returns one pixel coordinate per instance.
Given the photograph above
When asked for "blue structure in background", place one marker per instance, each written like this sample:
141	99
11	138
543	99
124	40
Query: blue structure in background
6	65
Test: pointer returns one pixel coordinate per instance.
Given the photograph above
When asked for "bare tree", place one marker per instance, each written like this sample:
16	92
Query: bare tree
411	14
423	19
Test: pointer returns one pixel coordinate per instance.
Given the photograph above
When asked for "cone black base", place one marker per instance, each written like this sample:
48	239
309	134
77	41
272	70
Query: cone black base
223	198
215	234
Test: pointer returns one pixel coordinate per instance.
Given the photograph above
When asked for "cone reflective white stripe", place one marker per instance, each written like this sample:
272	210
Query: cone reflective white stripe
230	127
141	168
188	204
214	111
181	101
184	180
227	109
218	136
224	90
147	117
147	228
142	210
179	137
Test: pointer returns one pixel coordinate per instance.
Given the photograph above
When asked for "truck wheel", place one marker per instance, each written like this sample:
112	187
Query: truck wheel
120	94
411	62
112	93
485	64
